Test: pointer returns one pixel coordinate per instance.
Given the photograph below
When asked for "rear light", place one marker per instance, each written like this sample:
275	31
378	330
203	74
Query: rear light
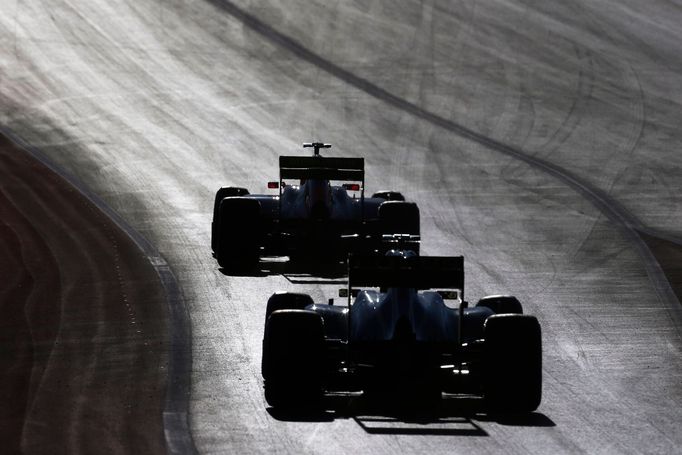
273	185
351	186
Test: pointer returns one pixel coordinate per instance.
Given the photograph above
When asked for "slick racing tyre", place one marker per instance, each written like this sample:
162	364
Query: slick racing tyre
222	193
397	217
389	195
239	234
512	363
502	304
293	359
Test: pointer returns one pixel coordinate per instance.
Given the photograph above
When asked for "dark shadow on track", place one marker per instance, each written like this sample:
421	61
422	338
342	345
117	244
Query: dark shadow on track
534	419
141	427
452	416
297	272
302	415
452	426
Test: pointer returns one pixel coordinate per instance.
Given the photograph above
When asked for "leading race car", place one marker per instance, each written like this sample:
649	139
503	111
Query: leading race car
401	341
323	214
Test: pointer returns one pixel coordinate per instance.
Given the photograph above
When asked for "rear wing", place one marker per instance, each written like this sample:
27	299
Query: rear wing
420	272
318	167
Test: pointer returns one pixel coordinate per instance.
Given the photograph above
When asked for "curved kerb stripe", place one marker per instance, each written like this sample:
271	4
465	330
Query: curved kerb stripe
626	221
175	415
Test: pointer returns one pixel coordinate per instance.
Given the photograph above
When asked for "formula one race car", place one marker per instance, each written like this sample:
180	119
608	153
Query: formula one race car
400	343
314	217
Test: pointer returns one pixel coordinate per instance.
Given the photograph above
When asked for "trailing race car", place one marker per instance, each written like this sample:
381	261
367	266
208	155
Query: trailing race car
315	217
398	342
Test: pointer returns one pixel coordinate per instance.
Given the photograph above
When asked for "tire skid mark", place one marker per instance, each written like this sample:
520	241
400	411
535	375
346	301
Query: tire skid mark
627	222
640	114
43	362
585	86
526	104
89	249
526	107
175	424
33	337
18	339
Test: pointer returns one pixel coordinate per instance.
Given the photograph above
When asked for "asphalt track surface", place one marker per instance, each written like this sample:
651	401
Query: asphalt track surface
83	337
540	141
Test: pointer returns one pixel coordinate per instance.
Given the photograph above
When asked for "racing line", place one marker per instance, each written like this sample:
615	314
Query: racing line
628	223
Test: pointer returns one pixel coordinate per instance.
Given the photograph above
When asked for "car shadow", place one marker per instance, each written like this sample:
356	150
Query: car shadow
451	416
296	272
533	419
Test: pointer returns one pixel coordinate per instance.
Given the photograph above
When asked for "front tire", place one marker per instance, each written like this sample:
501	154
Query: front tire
287	301
502	304
389	195
397	217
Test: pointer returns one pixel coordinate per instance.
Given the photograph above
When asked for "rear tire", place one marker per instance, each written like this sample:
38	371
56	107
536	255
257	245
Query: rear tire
222	193
293	359
239	234
512	363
